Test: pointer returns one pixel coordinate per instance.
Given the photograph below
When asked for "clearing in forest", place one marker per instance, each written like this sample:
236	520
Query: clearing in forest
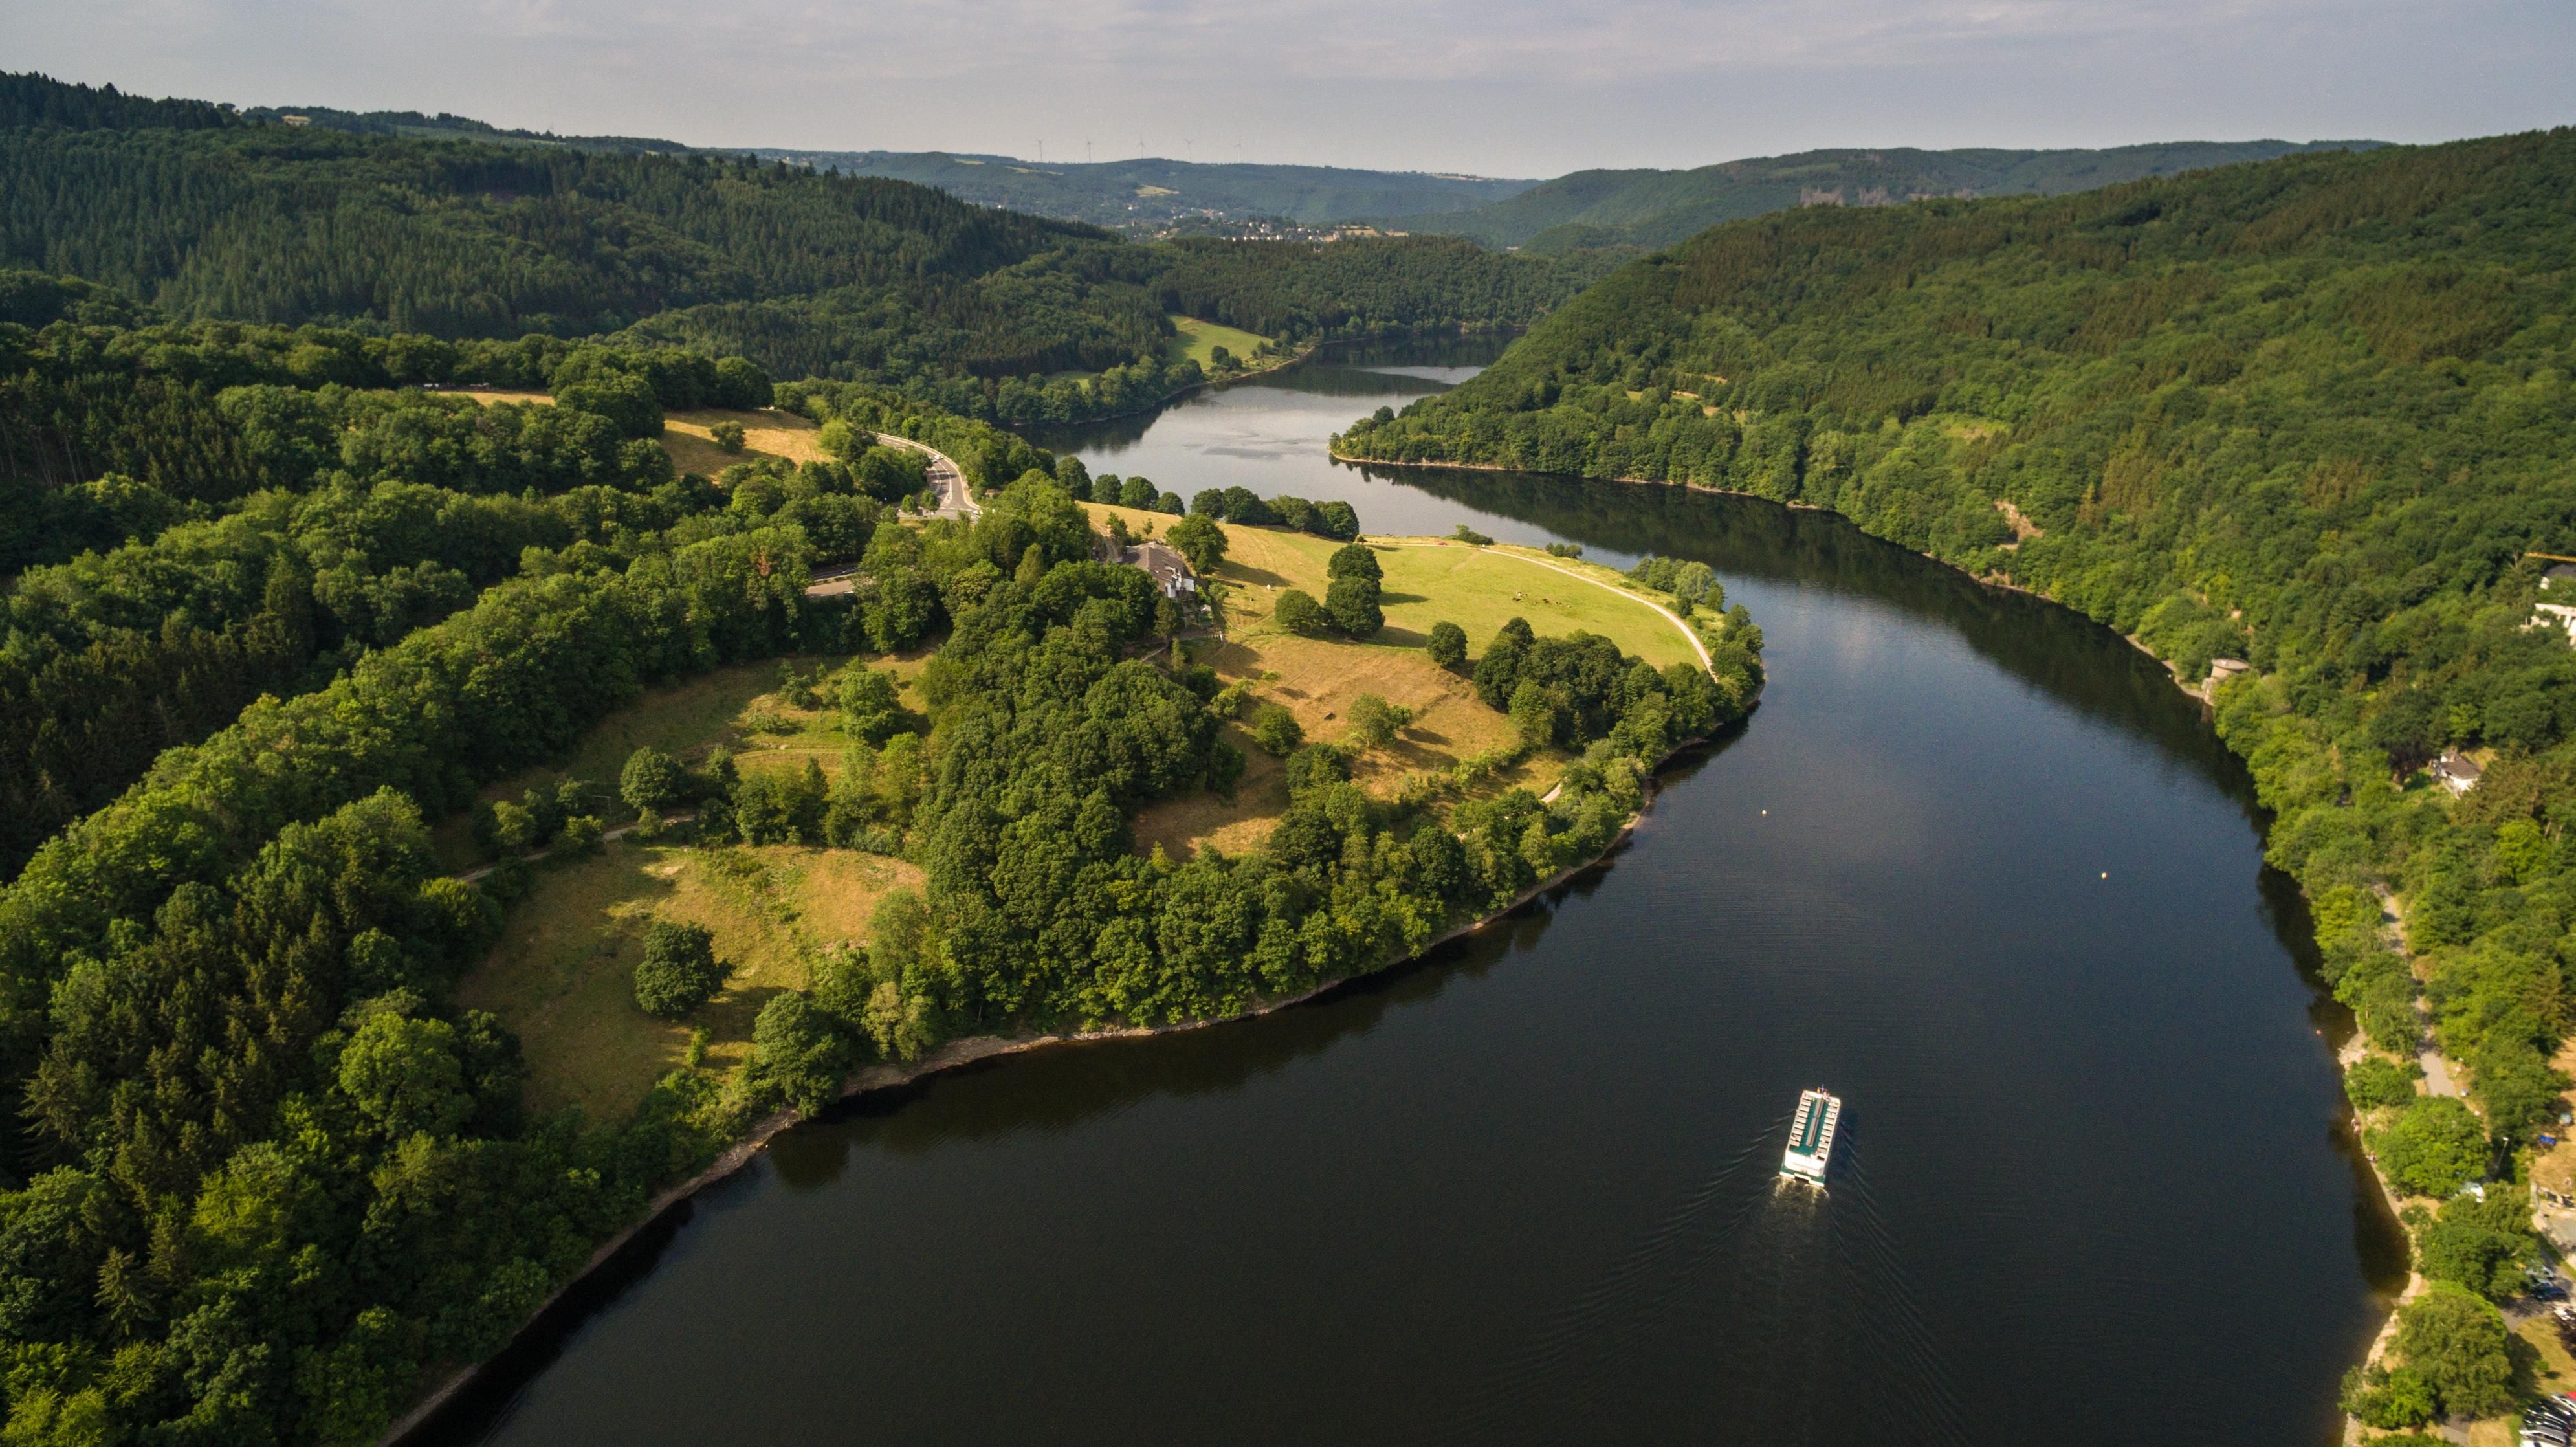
1199	340
1427	581
563	975
690	436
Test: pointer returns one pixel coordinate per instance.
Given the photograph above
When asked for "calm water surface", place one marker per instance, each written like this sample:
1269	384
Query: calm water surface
1975	865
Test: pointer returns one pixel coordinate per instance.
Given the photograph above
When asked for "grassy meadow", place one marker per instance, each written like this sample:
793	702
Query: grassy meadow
1199	340
1427	581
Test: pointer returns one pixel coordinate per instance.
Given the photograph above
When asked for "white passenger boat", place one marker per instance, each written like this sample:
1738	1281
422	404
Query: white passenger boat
1811	1137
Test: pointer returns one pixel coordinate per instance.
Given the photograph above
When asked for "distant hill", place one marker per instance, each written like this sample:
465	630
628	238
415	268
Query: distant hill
412	125
1658	208
1153	193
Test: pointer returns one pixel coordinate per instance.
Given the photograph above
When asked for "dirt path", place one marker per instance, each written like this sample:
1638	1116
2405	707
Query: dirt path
1670	616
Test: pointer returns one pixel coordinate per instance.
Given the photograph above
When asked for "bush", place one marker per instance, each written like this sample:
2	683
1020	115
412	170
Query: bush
1375	722
1447	645
679	972
581	834
728	435
2384	1398
2435	1146
1471	537
1276	730
2376	1081
1298	612
1565	550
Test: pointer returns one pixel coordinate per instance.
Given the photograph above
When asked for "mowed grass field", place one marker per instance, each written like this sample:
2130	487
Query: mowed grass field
562	977
1199	340
1426	581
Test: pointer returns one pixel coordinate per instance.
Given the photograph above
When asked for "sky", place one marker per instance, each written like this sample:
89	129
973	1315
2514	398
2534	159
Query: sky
1489	87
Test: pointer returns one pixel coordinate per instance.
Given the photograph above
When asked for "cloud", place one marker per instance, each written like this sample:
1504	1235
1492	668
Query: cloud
1523	87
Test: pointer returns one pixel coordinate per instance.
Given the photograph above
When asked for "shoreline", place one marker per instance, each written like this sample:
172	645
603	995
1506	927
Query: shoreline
2204	695
972	1050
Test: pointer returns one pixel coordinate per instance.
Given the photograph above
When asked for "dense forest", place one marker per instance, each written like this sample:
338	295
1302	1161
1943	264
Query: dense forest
278	1169
269	1175
202	214
2314	414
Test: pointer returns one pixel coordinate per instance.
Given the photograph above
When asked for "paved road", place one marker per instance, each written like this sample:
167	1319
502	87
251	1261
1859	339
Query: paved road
945	476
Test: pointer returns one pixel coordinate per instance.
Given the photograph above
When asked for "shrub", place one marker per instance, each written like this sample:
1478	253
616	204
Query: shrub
1375	722
1565	550
2376	1081
1471	537
1275	730
1298	612
581	834
728	435
2384	1398
679	971
1447	645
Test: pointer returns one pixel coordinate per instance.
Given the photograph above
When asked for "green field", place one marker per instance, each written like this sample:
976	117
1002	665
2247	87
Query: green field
1199	340
1428	580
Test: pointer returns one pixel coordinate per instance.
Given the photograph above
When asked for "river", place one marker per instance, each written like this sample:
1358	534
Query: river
1975	864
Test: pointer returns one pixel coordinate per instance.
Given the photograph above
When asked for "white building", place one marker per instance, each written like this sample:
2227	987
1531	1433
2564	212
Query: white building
2456	773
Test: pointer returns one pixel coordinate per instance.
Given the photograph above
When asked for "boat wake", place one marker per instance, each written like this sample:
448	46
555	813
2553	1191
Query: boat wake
1756	1309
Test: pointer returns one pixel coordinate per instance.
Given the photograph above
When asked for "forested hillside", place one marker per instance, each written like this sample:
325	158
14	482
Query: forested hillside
1658	208
1152	193
202	214
2312	413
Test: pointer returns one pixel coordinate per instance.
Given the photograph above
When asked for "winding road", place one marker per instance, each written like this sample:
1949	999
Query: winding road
945	476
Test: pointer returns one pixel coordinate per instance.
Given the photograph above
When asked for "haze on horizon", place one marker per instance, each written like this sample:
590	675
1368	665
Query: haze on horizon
1494	87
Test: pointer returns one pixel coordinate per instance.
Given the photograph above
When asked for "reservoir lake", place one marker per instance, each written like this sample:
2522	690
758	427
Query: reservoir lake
1976	865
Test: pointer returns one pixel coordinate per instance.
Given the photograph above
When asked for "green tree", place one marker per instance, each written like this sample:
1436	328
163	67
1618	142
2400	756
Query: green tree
1354	560
1137	492
1447	645
1298	612
798	1056
2389	1398
1375	722
728	435
2456	1343
870	707
2433	1147
1200	540
404	1075
651	781
1352	603
679	971
2375	1081
1276	730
